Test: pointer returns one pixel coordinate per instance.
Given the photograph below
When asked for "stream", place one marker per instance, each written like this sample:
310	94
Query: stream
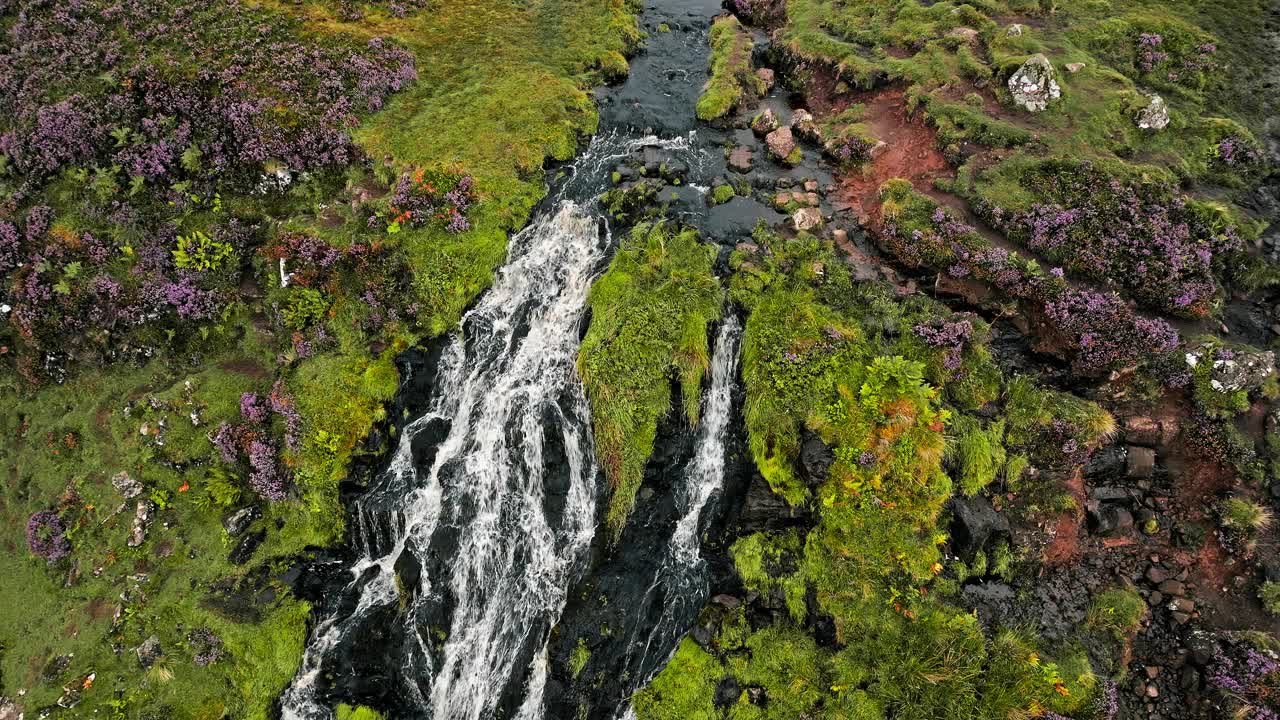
468	557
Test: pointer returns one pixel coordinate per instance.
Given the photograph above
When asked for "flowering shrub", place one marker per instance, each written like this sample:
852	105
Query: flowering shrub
1163	250
1173	57
1101	331
206	646
1105	332
1250	678
950	337
46	536
849	148
246	102
420	199
252	440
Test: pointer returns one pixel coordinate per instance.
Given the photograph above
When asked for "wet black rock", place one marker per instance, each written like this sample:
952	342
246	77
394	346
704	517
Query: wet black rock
1107	463
763	509
974	522
239	521
1108	519
816	458
246	547
727	691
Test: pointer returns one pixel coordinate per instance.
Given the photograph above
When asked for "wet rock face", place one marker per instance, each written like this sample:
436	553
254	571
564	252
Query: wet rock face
816	459
974	522
1033	85
1155	116
763	509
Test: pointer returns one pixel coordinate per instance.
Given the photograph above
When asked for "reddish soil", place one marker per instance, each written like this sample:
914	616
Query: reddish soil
911	153
1065	546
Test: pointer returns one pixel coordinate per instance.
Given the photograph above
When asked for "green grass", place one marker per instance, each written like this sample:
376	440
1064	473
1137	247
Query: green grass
649	321
1119	611
733	79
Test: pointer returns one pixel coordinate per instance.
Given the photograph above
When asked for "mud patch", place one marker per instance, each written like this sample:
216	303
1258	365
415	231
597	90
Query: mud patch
911	152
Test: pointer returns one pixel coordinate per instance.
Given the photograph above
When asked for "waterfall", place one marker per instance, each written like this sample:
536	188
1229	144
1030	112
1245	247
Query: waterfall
491	491
507	384
680	584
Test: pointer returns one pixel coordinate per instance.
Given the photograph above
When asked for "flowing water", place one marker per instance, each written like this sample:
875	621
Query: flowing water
462	554
680	584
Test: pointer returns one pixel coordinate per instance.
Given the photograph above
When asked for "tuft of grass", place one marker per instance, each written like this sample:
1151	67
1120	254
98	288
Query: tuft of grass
1119	611
650	314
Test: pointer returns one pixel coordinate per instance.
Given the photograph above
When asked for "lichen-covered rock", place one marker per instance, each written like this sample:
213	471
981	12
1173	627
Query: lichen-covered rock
1033	85
765	122
126	485
141	517
1245	371
1155	116
149	651
807	218
803	124
781	143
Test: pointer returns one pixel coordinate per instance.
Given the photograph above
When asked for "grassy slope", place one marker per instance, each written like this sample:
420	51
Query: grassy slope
844	359
503	85
649	318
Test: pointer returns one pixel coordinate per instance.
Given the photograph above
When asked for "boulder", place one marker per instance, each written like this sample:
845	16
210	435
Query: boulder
781	143
1108	519
1075	67
1015	30
765	122
1245	371
246	547
727	691
141	517
239	521
803	124
9	710
807	218
1107	463
1033	85
740	159
124	484
816	459
767	78
149	651
967	34
1155	115
974	522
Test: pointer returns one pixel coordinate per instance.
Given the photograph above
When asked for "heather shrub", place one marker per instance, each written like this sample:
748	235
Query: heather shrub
46	536
1102	224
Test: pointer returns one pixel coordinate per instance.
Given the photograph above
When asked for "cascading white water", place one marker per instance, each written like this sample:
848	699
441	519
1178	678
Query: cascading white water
680	583
511	564
504	383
